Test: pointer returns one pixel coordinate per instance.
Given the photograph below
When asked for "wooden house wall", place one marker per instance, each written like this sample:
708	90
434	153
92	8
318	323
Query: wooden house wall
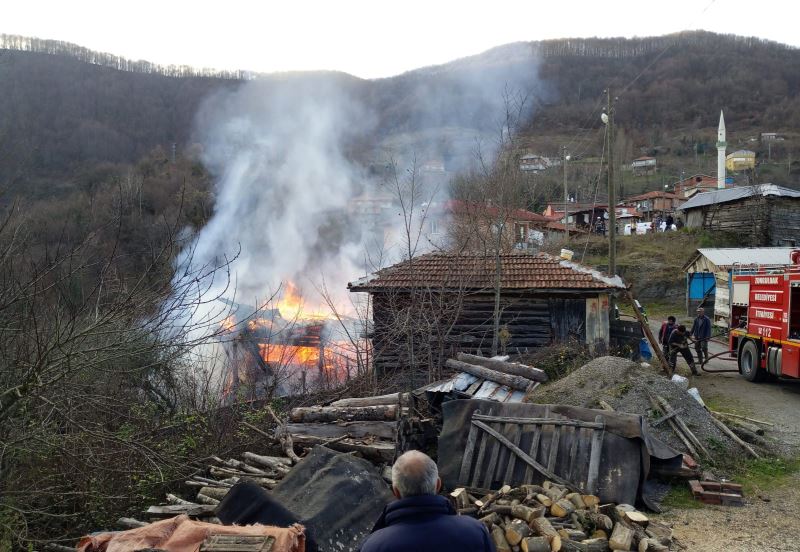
760	221
531	320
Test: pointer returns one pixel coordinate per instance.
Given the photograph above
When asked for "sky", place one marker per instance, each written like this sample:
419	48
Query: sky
367	38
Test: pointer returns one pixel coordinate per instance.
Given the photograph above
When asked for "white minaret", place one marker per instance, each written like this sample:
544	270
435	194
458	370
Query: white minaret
721	145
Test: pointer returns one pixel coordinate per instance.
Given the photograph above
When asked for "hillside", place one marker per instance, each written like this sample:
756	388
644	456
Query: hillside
70	108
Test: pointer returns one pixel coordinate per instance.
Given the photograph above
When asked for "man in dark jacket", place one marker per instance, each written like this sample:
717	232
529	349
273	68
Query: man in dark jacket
679	344
422	521
701	333
665	332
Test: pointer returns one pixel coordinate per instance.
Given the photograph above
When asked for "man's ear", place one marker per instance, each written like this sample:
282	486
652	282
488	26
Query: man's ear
438	484
395	492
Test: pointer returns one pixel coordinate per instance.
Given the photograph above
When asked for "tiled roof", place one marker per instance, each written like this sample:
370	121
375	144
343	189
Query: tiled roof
520	271
458	207
653	195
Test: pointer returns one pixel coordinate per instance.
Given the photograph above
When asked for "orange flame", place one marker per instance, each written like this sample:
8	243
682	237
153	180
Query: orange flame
292	307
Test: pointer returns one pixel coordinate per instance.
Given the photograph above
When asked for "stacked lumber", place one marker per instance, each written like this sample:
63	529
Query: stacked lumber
369	426
549	518
213	481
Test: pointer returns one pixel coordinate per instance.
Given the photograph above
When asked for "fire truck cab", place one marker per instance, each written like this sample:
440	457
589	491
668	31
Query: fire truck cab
765	321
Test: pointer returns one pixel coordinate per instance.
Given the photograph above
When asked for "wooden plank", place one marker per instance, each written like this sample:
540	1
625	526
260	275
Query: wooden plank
527	459
310	414
553	451
479	461
573	453
469	449
534	448
381	451
517	431
196	510
356	430
538	421
489	471
594	458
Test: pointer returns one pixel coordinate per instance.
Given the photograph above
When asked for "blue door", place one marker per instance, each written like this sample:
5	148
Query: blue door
701	285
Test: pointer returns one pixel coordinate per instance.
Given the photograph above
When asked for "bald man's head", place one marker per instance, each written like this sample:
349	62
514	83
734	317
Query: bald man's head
414	474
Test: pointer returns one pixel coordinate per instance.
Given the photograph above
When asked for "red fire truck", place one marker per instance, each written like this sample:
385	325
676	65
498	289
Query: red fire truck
765	321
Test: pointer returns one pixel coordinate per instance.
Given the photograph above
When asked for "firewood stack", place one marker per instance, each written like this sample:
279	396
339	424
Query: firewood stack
548	518
213	481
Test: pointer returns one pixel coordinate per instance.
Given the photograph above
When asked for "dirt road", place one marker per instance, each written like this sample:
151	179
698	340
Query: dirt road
769	521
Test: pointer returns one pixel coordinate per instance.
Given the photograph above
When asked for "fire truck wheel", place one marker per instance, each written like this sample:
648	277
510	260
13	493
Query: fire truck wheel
750	362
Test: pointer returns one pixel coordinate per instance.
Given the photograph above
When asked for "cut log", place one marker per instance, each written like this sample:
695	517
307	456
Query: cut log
544	528
511	368
573	546
130	523
514	382
590	500
499	539
651	545
275	463
516	531
526	513
491	519
174	499
545	500
601	521
572	534
596	545
621	538
214	492
195	510
244	467
310	414
660	532
204	499
378	451
637	518
562	508
355	430
535	544
600	534
392	398
460	498
577	500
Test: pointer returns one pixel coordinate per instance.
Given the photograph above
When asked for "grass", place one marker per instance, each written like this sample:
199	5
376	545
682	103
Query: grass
765	474
719	403
680	497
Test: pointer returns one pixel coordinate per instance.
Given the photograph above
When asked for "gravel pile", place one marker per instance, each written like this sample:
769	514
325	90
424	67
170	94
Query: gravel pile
624	385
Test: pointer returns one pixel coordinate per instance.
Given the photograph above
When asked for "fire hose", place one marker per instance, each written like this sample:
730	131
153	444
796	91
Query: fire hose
717	355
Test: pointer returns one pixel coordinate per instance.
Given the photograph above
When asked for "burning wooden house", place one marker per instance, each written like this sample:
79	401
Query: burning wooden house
286	350
430	308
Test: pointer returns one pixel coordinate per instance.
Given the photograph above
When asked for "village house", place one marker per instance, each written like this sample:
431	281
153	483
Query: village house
654	203
470	224
761	215
644	165
694	184
740	160
581	215
537	163
770	137
436	305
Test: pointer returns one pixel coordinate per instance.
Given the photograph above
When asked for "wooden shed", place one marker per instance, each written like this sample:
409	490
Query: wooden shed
429	308
708	275
762	215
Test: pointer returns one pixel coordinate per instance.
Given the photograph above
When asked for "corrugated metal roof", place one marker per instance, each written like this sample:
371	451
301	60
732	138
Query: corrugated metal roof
476	388
519	271
726	257
732	194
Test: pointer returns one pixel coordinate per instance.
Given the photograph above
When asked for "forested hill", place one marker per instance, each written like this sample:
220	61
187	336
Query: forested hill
63	107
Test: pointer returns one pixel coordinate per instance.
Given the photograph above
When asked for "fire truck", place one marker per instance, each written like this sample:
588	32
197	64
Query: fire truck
765	321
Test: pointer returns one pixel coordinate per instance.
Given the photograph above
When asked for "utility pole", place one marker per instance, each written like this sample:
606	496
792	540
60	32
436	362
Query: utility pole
566	194
612	200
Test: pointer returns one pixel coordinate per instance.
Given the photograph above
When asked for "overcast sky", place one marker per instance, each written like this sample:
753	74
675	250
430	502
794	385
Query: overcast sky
368	38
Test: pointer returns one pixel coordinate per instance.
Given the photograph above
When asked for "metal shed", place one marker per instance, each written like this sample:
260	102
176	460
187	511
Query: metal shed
708	271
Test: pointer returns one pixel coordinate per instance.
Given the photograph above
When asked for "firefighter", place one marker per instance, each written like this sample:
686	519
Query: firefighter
701	333
679	343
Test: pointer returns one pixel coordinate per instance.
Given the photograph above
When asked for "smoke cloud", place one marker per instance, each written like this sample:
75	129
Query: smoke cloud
291	156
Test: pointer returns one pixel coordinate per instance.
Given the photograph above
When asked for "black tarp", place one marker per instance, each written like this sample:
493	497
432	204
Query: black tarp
338	497
627	453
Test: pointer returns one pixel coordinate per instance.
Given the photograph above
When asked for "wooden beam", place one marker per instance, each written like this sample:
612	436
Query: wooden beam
514	382
649	334
512	368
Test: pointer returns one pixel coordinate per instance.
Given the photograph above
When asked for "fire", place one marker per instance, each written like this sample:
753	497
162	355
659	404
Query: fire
292	307
229	323
283	355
